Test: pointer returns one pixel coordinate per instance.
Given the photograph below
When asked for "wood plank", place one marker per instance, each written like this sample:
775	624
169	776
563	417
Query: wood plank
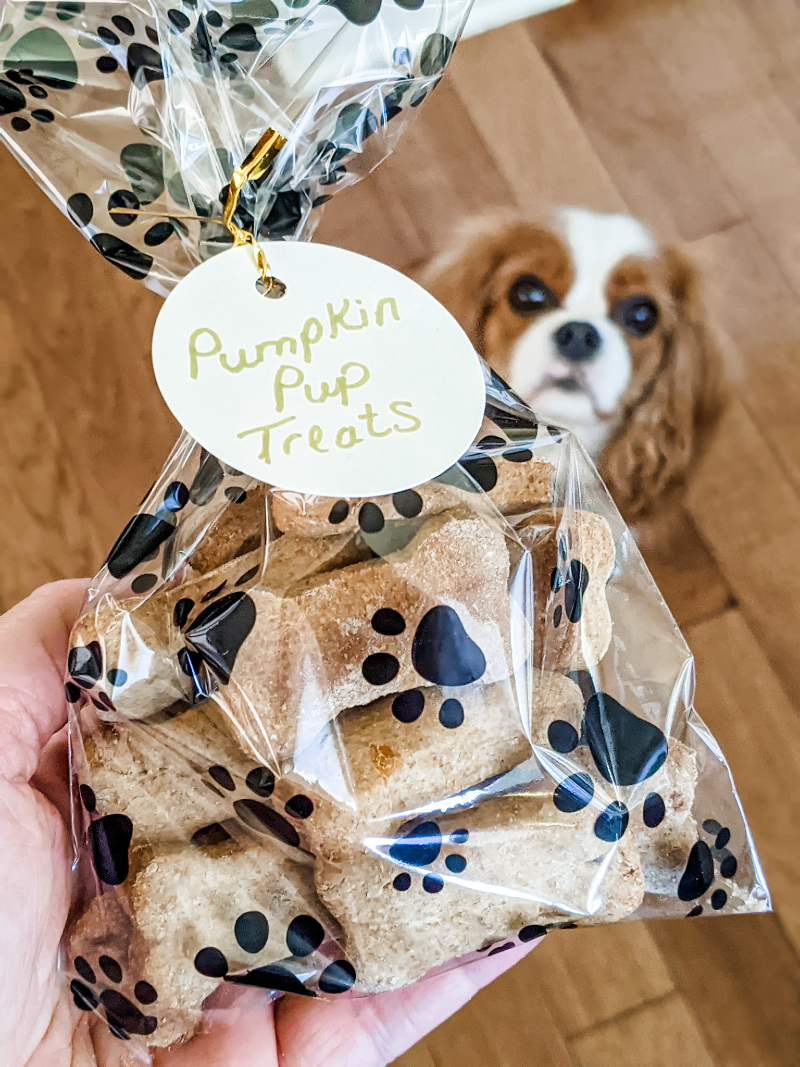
588	976
462	1042
362	220
715	65
755	312
527	123
757	725
441	172
664	1034
84	330
686	573
418	1056
503	1025
777	23
749	514
749	962
43	535
742	979
664	172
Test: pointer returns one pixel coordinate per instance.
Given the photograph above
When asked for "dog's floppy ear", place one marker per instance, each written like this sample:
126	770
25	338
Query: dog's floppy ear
461	277
666	427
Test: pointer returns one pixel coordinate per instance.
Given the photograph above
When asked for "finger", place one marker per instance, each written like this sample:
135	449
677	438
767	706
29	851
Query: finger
34	637
51	777
374	1031
238	1029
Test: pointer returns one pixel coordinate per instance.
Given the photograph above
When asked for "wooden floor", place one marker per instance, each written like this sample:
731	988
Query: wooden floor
687	113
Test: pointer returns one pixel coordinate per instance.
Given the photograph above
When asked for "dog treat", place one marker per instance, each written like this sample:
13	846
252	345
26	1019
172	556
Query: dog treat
514	480
660	811
664	840
132	648
425	745
107	952
210	913
293	559
573	553
446	887
435	613
123	648
240	529
289	560
132	774
152	773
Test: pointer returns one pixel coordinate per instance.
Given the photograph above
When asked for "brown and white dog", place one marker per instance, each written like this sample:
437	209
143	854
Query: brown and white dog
599	330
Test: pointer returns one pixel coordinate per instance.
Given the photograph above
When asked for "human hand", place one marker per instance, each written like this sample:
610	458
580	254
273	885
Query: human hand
39	1026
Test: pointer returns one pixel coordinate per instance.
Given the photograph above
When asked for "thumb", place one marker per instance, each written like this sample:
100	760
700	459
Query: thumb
34	637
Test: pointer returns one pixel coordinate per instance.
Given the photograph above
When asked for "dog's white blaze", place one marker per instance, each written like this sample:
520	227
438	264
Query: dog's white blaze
597	244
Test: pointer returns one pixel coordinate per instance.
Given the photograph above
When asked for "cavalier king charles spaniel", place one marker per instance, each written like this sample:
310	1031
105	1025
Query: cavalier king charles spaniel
599	330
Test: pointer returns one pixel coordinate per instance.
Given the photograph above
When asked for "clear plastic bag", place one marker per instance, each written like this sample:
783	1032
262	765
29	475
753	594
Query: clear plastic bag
146	106
327	746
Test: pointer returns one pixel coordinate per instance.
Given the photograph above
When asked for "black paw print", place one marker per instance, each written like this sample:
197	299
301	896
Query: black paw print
255	814
421	847
700	872
109	839
626	750
362	12
407	707
110	835
124	1018
304	936
142	539
442	651
570	578
216	633
483	468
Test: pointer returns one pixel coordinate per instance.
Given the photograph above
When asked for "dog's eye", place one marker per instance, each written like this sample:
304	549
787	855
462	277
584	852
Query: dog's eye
528	294
637	315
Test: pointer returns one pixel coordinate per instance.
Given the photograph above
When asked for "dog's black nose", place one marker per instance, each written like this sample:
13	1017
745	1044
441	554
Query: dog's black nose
578	341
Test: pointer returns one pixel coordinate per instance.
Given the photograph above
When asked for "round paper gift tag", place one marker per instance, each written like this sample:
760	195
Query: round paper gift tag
355	383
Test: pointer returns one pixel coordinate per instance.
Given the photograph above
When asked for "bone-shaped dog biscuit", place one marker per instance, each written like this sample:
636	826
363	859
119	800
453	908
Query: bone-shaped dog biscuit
573	556
207	914
425	745
152	774
665	840
435	613
129	648
514	479
661	819
451	884
239	530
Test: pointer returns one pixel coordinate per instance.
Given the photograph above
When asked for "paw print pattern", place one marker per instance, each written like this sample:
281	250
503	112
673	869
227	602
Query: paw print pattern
569	577
142	539
626	749
407	708
421	846
305	935
109	840
252	802
68	48
483	469
442	651
701	869
255	813
124	1017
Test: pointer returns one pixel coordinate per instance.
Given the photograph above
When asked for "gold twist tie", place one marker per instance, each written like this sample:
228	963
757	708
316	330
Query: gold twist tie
257	163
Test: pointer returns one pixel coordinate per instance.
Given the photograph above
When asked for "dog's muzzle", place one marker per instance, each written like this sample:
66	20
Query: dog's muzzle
577	342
